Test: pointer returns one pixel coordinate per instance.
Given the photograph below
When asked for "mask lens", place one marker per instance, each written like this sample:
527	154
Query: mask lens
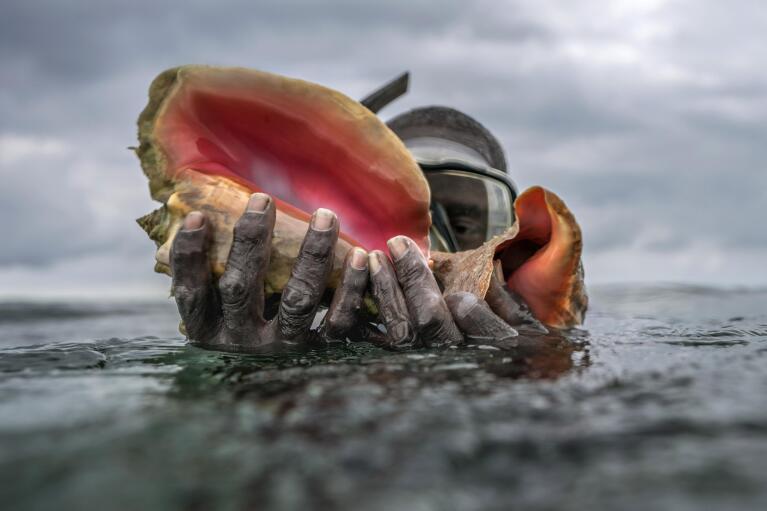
500	209
476	207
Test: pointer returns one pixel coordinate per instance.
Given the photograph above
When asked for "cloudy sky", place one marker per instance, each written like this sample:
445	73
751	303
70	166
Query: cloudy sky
648	117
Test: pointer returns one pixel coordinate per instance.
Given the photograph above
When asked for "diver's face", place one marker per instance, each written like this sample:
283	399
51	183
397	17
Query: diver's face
465	202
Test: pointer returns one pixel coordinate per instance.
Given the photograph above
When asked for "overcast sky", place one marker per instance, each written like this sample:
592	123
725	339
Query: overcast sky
649	118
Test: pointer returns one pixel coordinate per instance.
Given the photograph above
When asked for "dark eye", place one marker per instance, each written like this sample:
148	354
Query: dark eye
465	225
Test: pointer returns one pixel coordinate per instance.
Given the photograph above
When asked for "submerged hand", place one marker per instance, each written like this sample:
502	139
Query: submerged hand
229	314
415	313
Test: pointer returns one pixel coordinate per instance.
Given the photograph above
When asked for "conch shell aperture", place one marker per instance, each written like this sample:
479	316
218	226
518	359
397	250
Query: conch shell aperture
209	137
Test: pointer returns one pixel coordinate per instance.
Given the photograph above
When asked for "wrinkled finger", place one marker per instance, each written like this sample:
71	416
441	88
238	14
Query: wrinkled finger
242	284
303	292
391	302
344	310
511	308
192	279
424	300
477	321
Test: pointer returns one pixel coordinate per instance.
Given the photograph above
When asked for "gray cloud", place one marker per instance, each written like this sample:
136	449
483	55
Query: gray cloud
649	118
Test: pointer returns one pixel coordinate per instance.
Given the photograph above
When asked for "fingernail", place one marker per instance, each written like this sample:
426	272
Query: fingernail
258	202
374	261
323	219
398	245
193	220
359	259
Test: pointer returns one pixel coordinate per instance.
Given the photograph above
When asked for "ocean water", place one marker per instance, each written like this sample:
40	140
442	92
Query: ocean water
658	402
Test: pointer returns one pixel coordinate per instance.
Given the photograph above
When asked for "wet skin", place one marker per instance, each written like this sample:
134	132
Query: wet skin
230	314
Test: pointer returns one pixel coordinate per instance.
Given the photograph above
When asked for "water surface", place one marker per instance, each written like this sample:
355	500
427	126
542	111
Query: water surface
660	402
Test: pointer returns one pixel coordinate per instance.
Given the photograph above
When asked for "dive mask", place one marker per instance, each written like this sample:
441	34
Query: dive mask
472	197
470	203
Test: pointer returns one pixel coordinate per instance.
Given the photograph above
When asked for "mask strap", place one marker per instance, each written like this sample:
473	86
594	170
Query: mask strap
385	94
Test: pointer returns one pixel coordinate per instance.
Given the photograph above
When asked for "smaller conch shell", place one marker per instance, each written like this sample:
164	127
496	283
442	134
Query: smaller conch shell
540	257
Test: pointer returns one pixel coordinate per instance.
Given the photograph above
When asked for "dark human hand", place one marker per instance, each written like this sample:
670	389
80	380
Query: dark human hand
229	314
410	303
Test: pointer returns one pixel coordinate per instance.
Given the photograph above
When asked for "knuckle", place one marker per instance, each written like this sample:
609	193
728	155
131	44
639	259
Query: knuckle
315	255
309	275
232	287
354	280
390	306
251	227
410	271
380	285
185	256
318	245
190	301
189	272
384	285
188	244
297	299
